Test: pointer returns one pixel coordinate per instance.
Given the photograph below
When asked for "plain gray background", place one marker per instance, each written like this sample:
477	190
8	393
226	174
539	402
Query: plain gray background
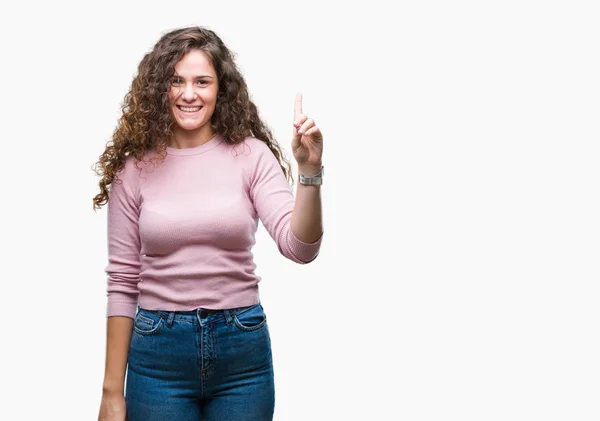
458	277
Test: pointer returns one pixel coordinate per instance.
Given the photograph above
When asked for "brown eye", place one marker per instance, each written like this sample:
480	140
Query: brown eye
175	81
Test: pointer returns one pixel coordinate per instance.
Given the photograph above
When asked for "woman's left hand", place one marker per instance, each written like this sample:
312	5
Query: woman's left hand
307	141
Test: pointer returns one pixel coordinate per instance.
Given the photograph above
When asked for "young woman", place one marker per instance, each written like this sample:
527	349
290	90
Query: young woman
189	172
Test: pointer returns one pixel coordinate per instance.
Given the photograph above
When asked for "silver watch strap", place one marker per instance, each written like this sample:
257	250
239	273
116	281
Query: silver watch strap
314	179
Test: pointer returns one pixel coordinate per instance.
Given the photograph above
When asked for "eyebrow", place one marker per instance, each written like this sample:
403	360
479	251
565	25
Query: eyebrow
195	77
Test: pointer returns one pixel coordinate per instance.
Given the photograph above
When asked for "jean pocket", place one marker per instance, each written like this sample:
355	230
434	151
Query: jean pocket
147	323
251	319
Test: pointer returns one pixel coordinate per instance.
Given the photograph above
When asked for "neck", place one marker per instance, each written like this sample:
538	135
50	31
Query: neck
183	139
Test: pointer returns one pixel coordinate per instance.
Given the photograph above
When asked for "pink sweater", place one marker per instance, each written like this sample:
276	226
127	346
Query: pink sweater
180	234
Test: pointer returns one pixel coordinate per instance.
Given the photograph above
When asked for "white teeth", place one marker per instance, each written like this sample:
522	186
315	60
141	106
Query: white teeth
190	109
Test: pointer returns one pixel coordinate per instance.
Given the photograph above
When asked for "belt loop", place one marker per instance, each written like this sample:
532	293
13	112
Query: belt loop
199	316
170	318
228	316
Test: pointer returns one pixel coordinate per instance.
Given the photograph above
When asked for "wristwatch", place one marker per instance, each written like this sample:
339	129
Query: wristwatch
313	180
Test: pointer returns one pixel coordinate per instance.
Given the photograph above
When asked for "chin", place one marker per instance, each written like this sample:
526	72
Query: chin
188	126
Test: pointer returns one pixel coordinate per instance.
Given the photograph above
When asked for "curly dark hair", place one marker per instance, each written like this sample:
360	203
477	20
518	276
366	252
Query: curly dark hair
146	123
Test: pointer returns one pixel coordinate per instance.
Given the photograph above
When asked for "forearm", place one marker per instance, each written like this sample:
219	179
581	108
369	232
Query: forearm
307	219
118	336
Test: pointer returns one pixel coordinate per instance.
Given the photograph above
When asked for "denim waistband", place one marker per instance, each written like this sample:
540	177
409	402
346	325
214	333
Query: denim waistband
204	315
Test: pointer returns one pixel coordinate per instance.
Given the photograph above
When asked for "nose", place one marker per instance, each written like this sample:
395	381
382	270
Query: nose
188	93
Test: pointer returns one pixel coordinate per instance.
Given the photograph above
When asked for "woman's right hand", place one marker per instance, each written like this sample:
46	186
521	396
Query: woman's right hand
112	407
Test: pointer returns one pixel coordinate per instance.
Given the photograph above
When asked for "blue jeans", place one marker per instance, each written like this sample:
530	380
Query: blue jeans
210	365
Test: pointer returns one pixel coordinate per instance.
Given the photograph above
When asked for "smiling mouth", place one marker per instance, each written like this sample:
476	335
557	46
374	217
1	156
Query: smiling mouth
189	109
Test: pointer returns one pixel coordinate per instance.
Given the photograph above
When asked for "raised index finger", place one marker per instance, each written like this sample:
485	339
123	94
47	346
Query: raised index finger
298	106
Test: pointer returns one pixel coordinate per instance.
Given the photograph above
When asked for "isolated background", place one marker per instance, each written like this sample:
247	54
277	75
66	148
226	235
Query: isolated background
458	277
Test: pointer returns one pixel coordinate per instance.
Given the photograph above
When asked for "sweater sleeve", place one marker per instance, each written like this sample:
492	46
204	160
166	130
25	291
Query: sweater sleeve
274	202
124	261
